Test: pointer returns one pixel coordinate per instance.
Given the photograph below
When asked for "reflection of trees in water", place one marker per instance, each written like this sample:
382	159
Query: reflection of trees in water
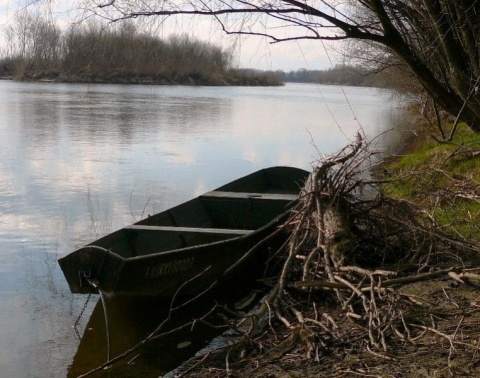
120	118
101	216
40	119
158	333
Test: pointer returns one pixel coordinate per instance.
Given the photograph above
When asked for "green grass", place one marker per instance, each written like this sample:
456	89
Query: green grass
461	217
438	177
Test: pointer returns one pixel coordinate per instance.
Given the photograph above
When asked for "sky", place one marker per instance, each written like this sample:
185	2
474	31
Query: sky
258	52
250	52
292	55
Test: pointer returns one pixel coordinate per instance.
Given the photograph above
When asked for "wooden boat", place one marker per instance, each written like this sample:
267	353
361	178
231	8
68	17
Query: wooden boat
189	247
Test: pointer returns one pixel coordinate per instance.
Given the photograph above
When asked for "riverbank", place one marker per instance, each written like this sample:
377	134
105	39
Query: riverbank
442	177
230	78
437	330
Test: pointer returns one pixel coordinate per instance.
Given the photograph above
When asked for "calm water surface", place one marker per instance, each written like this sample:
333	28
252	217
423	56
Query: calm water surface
79	161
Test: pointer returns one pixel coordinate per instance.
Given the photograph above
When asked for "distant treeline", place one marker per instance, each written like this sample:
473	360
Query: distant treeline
338	75
37	49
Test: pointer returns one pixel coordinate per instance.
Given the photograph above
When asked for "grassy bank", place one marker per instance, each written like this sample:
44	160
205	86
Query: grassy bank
442	178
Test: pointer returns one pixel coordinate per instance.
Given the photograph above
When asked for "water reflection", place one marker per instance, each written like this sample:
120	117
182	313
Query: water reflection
177	335
80	161
129	322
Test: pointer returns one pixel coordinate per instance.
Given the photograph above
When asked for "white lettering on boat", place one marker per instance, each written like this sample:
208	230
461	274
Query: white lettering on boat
171	267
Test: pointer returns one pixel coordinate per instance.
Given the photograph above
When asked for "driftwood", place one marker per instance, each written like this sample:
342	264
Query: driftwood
382	284
356	248
353	253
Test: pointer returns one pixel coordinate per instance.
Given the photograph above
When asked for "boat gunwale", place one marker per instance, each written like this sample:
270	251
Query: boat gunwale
277	219
274	222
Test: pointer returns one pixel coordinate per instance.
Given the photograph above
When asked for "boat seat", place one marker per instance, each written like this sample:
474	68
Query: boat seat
248	195
201	230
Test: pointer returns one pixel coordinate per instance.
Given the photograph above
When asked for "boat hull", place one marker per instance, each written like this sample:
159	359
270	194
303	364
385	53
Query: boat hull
193	246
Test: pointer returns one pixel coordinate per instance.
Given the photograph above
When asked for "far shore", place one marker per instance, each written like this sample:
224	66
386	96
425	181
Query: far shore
193	79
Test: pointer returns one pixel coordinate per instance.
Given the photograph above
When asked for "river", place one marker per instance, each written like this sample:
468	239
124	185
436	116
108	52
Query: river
79	161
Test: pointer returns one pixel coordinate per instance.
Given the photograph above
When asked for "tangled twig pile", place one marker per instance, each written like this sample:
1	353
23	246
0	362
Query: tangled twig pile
363	276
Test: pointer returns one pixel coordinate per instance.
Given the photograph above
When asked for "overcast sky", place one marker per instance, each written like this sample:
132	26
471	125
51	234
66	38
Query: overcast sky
258	53
250	52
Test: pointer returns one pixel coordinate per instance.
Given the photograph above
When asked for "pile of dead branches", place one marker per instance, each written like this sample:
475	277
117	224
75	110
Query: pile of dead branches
355	280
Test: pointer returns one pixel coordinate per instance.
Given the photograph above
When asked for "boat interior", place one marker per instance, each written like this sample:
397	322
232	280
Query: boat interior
233	210
203	220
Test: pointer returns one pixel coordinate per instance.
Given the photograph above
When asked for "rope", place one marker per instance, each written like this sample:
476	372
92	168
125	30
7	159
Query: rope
107	327
94	283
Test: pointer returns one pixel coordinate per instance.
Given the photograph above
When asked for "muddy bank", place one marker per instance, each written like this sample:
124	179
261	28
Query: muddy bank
229	79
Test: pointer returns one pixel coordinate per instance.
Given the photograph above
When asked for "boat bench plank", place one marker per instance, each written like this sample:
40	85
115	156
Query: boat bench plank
201	230
248	195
